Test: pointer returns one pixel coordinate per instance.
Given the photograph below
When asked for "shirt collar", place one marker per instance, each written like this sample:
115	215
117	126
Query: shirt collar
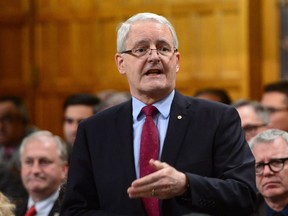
163	106
43	205
271	212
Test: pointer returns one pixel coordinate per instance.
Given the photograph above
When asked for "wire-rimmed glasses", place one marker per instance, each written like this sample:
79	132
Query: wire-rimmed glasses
142	51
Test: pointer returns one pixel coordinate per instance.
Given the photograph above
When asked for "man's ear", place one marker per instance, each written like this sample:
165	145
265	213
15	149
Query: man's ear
177	61
120	63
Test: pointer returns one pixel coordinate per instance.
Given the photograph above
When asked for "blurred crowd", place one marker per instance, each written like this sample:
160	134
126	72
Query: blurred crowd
34	163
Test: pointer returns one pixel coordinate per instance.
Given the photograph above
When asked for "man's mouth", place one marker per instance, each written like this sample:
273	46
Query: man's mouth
153	72
271	183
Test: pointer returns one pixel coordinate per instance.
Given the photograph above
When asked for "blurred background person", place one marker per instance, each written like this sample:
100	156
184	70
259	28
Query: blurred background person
254	117
76	108
44	168
113	99
214	94
275	99
104	94
270	149
14	126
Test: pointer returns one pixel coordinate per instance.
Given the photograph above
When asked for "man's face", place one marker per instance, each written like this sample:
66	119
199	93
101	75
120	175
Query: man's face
153	74
272	185
12	126
42	170
276	103
250	121
73	115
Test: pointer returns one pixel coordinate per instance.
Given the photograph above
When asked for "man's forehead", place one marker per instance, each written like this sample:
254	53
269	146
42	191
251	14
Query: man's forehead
7	106
274	97
276	145
145	28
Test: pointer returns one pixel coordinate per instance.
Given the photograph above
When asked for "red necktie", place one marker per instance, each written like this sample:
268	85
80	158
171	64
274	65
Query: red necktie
149	148
31	211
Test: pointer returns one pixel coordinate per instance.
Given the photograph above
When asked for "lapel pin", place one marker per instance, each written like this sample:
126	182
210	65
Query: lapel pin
179	117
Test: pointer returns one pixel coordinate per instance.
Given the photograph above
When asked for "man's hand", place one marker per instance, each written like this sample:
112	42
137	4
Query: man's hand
166	182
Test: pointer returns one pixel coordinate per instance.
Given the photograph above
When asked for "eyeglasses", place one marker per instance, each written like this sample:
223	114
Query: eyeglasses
142	51
275	165
273	110
252	128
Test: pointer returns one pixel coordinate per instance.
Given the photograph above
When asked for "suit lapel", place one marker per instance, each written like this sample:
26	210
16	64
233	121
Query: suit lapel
176	131
55	211
124	125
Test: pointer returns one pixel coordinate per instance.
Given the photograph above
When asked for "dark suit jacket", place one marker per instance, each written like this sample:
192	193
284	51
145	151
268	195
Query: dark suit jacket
11	185
22	209
207	143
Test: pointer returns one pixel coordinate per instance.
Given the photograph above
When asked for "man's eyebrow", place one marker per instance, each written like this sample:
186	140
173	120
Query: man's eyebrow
162	41
141	42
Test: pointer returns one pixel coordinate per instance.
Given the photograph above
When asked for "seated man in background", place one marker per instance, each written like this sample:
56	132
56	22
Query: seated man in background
270	149
214	94
254	117
14	126
113	99
76	108
44	168
275	99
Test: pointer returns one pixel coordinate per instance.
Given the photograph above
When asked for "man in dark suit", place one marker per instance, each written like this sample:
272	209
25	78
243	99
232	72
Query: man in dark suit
203	166
44	168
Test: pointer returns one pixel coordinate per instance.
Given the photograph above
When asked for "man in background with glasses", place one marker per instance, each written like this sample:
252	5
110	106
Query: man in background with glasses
270	149
275	99
254	117
201	161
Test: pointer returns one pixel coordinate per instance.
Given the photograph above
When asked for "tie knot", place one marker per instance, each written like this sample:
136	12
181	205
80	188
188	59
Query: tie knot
31	211
149	110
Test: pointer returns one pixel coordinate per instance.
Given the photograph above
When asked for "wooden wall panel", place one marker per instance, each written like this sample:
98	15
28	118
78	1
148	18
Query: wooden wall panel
15	52
107	70
14	37
214	46
50	49
49	111
270	34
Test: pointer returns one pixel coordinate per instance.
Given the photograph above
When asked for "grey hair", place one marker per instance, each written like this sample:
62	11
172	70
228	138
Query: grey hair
42	135
124	28
260	110
268	136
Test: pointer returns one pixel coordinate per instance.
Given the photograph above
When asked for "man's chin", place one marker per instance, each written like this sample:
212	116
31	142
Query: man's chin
271	192
36	186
